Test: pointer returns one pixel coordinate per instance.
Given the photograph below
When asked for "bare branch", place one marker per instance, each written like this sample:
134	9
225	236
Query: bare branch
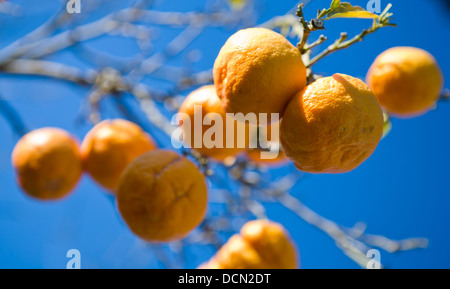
49	69
10	9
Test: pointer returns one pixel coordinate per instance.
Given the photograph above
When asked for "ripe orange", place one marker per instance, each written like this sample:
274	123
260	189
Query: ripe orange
258	71
206	98
47	163
109	147
162	196
332	126
407	81
277	157
261	244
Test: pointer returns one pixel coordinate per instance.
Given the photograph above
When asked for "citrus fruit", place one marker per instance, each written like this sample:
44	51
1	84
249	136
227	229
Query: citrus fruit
407	81
109	147
47	163
162	196
261	244
258	71
208	104
332	126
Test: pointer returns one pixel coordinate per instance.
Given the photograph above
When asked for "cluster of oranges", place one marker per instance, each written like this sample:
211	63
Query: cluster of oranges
152	198
329	126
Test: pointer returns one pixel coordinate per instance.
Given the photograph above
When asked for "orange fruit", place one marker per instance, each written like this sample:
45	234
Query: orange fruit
110	147
407	81
47	163
258	71
332	126
205	98
275	157
261	244
162	196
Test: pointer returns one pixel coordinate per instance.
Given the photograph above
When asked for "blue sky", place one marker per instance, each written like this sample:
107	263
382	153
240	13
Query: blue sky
401	191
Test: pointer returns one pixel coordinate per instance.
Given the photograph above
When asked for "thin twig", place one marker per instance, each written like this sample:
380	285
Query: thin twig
382	21
318	42
308	27
13	117
445	96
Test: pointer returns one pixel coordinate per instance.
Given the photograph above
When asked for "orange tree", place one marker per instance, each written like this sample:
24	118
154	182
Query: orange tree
313	113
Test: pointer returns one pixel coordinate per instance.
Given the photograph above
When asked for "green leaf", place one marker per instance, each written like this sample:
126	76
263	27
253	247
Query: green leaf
346	10
323	13
237	4
387	126
335	4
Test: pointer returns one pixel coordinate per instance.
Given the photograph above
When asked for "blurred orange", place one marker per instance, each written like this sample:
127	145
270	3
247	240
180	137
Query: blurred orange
206	99
261	244
407	81
109	147
47	163
162	196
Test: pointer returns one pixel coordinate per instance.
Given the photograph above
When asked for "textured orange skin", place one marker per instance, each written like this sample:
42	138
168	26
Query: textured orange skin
407	81
162	196
261	244
259	71
47	163
110	147
255	154
206	97
332	126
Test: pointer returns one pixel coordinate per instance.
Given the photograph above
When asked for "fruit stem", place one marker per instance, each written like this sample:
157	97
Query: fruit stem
308	27
342	44
319	41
